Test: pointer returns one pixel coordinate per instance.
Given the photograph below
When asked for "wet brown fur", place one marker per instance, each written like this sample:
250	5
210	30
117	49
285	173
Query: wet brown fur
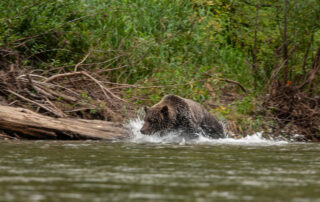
174	112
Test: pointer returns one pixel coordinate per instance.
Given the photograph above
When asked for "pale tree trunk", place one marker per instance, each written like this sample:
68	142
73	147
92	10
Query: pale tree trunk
25	124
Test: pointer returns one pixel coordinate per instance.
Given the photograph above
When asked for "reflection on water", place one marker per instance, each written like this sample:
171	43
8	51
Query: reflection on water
146	168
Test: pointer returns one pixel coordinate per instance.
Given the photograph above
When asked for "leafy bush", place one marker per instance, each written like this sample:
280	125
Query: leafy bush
180	46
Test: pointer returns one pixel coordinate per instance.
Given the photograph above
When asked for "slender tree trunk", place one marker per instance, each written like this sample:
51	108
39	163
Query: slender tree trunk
255	48
306	54
285	43
313	72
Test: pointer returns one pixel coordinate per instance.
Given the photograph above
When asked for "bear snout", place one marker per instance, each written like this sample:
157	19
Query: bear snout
146	129
142	131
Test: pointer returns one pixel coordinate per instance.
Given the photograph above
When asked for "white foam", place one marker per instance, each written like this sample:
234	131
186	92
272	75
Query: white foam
135	125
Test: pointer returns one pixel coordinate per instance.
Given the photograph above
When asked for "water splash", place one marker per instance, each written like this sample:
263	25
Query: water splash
135	125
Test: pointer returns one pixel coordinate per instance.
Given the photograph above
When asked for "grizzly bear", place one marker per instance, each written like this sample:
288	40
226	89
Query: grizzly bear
177	113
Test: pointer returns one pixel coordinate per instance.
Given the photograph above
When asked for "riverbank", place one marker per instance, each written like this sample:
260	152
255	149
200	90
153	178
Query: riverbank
80	95
105	60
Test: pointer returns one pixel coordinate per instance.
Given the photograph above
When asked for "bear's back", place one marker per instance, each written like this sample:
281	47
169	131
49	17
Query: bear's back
196	111
200	116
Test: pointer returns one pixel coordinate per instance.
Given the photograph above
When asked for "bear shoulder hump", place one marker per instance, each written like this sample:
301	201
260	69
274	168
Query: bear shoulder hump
173	99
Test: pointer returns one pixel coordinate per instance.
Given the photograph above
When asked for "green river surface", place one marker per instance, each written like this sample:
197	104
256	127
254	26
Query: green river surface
143	170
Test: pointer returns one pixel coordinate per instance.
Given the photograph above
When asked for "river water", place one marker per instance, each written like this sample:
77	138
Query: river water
146	168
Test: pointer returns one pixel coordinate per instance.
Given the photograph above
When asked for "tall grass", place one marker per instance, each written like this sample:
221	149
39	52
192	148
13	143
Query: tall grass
178	43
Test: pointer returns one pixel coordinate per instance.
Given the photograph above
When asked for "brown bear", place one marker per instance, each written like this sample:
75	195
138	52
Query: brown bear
177	113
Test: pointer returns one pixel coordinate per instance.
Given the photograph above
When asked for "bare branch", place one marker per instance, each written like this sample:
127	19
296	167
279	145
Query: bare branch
33	102
84	59
102	87
61	75
235	82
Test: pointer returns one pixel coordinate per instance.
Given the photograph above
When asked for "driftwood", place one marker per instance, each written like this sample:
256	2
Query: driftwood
26	124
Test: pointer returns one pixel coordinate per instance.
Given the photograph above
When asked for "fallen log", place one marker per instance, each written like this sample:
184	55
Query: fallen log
26	124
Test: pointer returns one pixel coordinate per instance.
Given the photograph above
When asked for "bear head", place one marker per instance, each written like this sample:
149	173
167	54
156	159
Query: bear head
158	118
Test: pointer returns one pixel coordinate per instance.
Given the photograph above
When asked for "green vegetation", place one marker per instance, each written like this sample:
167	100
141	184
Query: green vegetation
192	48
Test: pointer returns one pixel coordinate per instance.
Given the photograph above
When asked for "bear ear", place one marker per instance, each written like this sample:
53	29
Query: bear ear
165	110
145	109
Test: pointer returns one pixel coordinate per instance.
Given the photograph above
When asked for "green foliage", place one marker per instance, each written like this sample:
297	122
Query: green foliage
84	94
245	106
182	47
